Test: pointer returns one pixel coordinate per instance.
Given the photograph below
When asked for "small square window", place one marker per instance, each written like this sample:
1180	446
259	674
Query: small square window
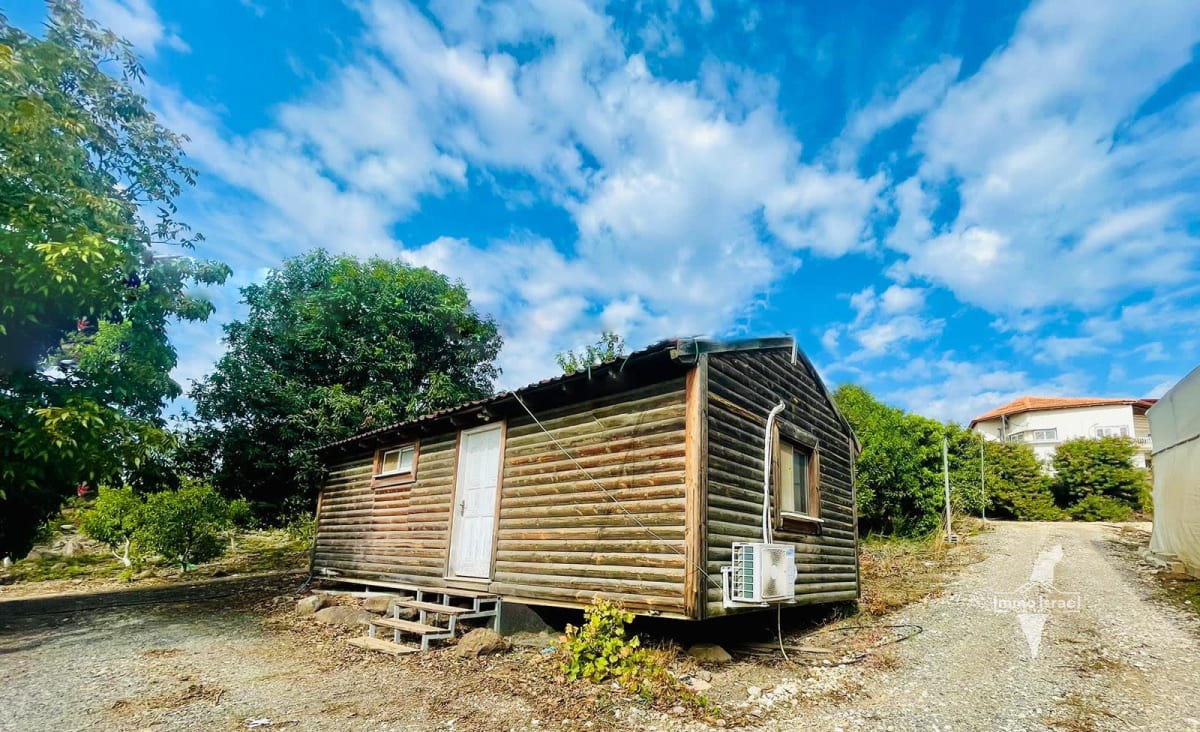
397	461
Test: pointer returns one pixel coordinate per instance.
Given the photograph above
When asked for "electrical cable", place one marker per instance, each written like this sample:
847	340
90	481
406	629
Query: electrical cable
606	492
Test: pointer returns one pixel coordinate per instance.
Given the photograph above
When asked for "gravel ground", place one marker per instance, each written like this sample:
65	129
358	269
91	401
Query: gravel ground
203	658
1119	661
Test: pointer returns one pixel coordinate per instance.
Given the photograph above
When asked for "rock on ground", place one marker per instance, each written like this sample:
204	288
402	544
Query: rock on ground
309	605
709	653
378	603
480	642
344	615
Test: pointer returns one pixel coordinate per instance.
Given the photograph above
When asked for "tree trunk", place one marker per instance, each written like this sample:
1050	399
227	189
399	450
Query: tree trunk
124	555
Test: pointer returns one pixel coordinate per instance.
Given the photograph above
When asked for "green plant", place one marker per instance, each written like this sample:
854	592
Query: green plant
609	347
241	514
186	526
1100	508
601	650
331	345
93	267
114	519
1098	467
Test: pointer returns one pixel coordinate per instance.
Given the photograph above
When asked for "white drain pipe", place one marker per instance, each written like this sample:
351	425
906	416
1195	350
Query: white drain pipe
766	512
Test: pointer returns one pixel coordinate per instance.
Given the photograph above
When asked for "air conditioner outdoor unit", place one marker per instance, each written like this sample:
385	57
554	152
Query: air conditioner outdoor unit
762	573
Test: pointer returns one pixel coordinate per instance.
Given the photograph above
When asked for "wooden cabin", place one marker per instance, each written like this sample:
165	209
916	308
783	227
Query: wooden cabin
630	481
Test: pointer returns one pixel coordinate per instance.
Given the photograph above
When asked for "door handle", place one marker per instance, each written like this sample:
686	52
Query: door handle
462	507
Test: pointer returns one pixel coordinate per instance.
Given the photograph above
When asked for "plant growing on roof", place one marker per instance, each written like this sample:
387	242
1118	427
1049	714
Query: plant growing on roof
607	348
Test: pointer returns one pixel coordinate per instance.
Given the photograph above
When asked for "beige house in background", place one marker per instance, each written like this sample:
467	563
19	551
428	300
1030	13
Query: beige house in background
1046	422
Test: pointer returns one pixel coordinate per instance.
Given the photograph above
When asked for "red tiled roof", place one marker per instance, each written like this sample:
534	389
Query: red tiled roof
1034	404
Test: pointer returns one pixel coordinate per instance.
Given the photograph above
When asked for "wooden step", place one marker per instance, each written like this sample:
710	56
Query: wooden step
383	646
461	592
433	607
408	625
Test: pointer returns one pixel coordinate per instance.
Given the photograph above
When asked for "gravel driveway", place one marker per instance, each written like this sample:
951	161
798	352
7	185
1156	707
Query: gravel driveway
1105	657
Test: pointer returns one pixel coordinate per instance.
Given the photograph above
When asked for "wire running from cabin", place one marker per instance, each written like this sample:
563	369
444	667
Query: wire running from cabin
606	492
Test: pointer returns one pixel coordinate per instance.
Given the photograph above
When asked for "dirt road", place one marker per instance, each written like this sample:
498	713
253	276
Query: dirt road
1052	630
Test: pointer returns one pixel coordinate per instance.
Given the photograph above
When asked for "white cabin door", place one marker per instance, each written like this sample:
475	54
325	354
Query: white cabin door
475	502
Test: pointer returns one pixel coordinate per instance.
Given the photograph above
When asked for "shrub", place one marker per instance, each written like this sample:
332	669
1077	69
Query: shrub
1016	486
1100	467
1101	508
241	514
185	527
113	520
601	651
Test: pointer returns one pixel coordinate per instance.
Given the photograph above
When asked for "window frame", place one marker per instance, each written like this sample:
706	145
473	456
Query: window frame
395	477
795	438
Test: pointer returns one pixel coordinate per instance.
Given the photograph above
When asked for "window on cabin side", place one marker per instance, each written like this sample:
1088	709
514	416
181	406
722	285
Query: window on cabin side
797	482
397	461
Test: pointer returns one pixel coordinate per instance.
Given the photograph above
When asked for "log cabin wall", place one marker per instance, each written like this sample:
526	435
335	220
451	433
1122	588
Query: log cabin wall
742	389
561	540
393	534
564	541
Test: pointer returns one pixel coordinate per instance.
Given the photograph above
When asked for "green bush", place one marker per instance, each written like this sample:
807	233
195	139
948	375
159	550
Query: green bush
601	651
114	519
1101	508
1017	487
241	514
1102	467
187	526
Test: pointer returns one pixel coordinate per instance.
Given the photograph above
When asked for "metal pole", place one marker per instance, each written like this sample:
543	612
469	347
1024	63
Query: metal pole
946	477
982	482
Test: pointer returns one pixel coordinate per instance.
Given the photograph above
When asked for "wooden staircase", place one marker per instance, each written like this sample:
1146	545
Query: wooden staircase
434	607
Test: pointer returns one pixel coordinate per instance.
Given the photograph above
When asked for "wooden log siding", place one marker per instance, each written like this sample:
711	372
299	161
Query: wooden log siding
564	541
396	534
742	388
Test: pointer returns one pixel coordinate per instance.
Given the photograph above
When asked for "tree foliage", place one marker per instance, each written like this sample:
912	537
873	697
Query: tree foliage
899	470
608	347
186	526
114	519
333	345
1102	466
86	289
1017	486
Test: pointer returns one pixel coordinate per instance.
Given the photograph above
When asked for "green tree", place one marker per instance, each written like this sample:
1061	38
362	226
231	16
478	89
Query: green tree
1101	466
185	527
114	519
609	347
87	284
899	472
332	345
1017	486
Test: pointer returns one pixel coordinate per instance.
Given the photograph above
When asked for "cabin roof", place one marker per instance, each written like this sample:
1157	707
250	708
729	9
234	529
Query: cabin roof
659	362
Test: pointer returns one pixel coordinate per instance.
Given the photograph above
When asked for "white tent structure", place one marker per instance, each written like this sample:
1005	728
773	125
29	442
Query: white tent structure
1175	425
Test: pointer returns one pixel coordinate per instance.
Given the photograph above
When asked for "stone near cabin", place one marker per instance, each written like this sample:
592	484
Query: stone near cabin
378	603
709	653
344	615
480	642
402	613
310	605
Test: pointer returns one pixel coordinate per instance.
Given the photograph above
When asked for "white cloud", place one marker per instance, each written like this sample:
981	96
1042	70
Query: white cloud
1060	200
137	22
915	97
690	198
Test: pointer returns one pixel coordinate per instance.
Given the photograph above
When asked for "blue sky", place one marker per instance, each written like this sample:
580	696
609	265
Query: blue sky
953	204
